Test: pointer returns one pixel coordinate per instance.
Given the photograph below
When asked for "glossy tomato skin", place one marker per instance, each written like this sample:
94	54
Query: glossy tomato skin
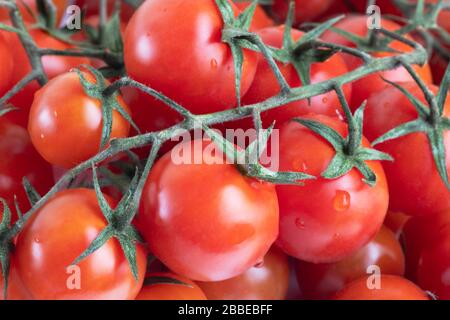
268	280
422	232
392	288
236	218
415	186
260	18
19	159
305	10
434	263
6	71
363	88
53	66
321	281
197	69
65	134
23	5
58	233
265	84
325	220
169	291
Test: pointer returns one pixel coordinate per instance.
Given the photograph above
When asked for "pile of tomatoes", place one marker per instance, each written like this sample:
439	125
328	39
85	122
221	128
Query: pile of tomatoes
207	230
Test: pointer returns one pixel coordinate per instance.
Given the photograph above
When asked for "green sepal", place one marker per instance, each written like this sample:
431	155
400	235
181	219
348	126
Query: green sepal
421	108
436	138
402	130
108	102
5	245
443	91
32	195
5	110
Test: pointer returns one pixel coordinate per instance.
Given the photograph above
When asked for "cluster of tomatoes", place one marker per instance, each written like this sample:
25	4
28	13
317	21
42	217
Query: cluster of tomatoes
215	232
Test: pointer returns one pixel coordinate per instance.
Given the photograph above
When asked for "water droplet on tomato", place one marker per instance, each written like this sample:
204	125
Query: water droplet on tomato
213	64
299	165
341	201
339	115
37	240
336	235
300	223
42	136
324	100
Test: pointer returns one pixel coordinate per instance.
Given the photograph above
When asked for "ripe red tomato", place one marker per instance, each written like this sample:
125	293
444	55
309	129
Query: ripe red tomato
392	288
415	186
6	71
321	281
53	66
19	159
265	84
305	10
260	18
422	232
325	220
236	218
266	281
23	5
67	134
16	288
197	70
434	266
363	88
155	288
59	232
396	222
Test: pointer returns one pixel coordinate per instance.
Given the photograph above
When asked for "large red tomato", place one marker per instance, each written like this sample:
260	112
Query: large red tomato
58	233
363	88
19	159
325	220
268	280
168	286
305	10
434	266
196	70
265	84
203	219
321	281
415	186
392	288
66	134
53	66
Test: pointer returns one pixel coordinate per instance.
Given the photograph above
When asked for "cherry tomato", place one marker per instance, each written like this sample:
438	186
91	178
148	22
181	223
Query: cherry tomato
67	134
58	233
422	232
265	84
432	272
392	288
321	281
6	71
197	70
16	288
236	218
305	10
415	186
53	66
260	18
363	88
268	280
24	5
396	222
19	159
325	220
168	286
